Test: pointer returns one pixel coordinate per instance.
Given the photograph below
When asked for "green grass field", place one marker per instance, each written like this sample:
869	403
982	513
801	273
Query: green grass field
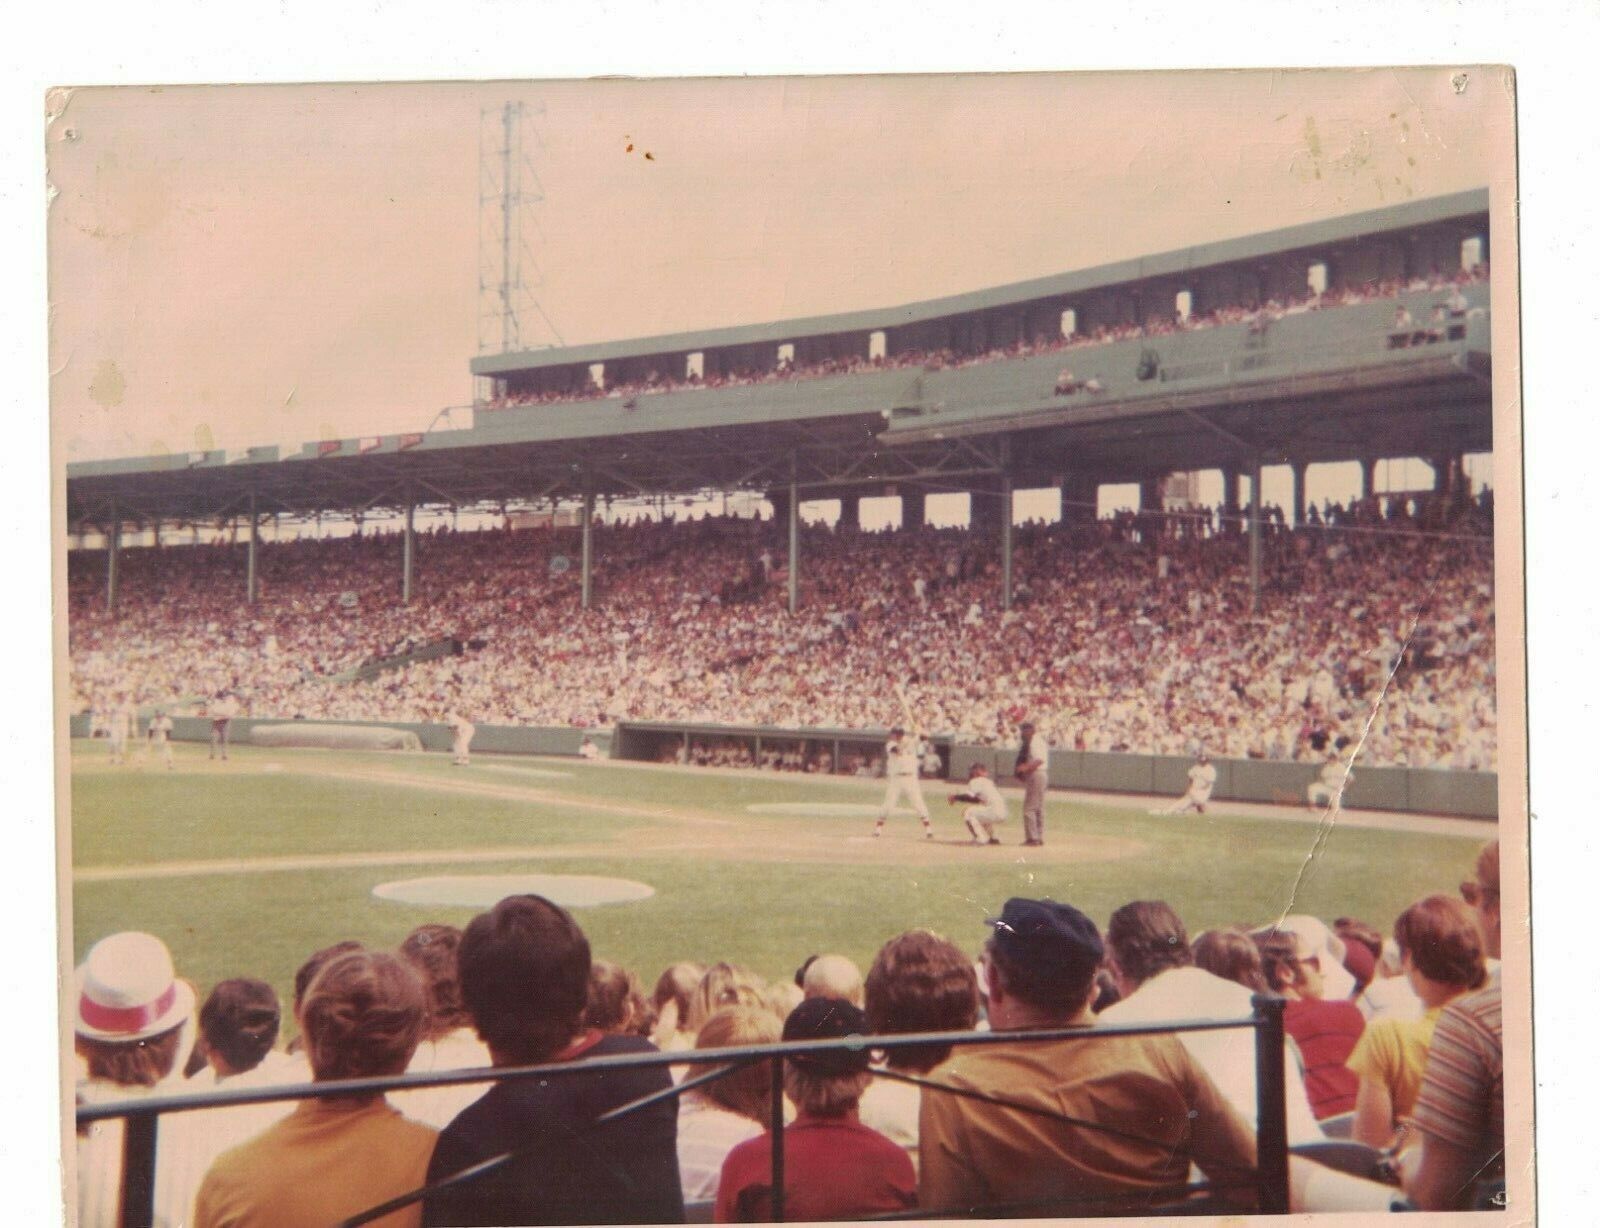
244	868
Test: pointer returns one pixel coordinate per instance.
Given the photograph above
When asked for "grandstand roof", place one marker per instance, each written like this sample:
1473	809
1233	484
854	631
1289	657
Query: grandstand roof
1324	233
1322	388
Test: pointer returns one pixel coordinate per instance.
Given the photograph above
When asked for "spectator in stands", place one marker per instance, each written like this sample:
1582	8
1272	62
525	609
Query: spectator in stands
1460	1108
524	969
1147	952
919	982
834	1167
1325	1030
1232	955
716	1117
833	976
1039	970
1363	947
307	972
722	985
332	1158
131	1033
448	1041
239	1023
617	1005
670	1001
1441	950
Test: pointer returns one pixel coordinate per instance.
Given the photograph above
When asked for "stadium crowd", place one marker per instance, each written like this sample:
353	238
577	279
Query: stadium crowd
1376	623
1393	1043
1258	316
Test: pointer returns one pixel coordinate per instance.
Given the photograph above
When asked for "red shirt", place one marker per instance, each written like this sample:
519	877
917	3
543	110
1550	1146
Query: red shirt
1326	1032
833	1168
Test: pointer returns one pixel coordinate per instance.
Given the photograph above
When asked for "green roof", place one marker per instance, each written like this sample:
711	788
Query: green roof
1429	211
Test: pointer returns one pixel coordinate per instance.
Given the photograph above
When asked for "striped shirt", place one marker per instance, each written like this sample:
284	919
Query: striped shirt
1462	1101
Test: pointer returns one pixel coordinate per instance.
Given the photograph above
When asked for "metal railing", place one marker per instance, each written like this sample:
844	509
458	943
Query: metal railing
1271	1183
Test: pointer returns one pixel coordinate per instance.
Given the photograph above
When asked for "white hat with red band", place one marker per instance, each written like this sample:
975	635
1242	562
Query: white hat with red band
127	990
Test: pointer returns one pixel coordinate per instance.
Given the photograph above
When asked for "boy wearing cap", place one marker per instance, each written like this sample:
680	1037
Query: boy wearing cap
986	806
1158	1110
834	1167
902	758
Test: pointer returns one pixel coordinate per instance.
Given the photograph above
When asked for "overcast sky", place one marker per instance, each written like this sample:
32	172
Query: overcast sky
232	266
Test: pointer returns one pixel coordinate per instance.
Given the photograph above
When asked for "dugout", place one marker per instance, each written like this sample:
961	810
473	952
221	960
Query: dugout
848	752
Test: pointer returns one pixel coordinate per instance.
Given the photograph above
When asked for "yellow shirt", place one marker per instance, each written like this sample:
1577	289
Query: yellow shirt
322	1164
1394	1052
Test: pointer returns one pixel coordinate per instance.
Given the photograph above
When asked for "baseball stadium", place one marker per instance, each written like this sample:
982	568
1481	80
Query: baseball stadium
807	645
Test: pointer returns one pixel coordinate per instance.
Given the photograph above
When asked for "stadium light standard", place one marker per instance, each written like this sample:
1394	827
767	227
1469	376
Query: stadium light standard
113	544
586	567
1255	533
794	533
406	552
250	584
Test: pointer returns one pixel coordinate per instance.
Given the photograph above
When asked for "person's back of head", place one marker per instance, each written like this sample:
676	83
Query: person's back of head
131	1011
921	982
239	1023
362	1016
616	1001
722	985
315	963
829	1083
834	976
524	968
1042	955
1146	938
1439	938
432	951
1232	955
746	1091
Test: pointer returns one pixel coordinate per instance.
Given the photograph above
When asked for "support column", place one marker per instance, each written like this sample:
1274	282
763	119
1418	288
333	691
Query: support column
849	511
251	585
913	508
1080	497
407	553
1230	500
1369	477
779	498
113	546
794	534
587	562
1007	507
1255	535
1299	470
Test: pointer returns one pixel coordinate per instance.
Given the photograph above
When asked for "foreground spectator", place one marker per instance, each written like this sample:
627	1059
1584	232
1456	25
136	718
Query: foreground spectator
1039	967
1149	958
130	1032
1460	1109
524	969
239	1023
671	1004
1325	1031
833	976
919	982
332	1158
716	1117
448	1041
834	1167
1441	950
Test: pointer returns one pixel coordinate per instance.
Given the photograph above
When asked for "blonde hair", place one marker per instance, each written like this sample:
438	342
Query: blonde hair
747	1091
363	1016
722	985
821	1094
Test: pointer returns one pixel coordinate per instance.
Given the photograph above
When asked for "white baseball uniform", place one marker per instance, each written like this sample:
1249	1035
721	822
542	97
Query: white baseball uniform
1202	780
1328	788
989	809
902	756
161	736
123	719
464	729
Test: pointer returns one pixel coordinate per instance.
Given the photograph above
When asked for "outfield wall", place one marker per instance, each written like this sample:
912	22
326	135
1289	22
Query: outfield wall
1419	790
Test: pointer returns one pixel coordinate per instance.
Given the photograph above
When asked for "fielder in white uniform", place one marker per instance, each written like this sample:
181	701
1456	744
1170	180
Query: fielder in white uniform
123	720
986	807
902	755
160	733
1329	787
1202	779
464	729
